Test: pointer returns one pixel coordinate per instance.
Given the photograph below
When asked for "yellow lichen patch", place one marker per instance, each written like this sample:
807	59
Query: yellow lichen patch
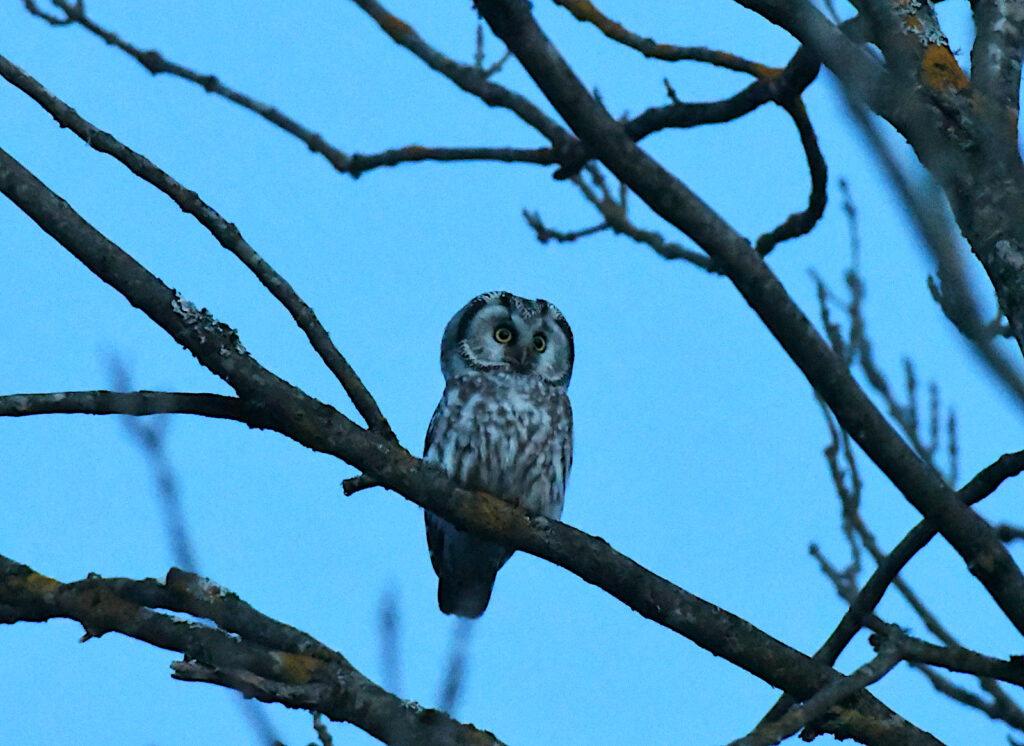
37	584
940	71
296	669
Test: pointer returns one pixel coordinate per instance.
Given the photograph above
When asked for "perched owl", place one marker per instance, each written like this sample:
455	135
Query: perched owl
503	426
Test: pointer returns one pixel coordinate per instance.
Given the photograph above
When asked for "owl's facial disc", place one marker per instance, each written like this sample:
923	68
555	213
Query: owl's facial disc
502	332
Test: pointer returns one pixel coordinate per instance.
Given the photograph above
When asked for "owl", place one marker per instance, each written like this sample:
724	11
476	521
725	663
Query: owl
503	426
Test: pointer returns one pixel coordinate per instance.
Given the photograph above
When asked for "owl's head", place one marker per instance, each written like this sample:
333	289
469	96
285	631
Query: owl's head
499	331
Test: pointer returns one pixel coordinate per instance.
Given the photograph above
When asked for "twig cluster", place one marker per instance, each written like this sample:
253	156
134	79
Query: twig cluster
957	127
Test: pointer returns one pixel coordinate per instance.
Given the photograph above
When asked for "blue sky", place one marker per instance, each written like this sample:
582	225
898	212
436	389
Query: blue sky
698	443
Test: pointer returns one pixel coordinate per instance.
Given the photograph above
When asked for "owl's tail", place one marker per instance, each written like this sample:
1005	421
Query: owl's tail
466	595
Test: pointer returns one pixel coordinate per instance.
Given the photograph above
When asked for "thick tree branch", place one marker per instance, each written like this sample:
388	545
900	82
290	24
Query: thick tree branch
969	534
247	651
966	140
997	51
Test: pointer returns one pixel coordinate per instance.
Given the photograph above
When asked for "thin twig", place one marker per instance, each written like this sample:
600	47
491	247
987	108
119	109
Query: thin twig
584	10
800	223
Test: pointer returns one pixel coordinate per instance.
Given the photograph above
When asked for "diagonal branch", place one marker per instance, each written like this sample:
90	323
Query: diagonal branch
981	486
245	649
467	77
769	733
225	232
861	607
971	536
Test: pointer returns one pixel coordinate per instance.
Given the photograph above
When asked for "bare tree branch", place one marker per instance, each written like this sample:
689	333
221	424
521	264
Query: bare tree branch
966	141
800	223
466	77
355	164
815	708
997	51
584	10
615	216
247	650
981	486
360	164
134	403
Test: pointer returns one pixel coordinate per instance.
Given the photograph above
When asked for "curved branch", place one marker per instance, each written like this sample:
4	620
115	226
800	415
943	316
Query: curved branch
777	85
355	164
800	223
226	234
156	64
247	651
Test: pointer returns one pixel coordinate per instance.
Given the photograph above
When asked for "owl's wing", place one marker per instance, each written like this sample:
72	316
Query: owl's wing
435	539
430	433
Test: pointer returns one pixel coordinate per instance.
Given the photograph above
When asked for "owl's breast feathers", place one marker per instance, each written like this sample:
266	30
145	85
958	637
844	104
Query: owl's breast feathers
506	434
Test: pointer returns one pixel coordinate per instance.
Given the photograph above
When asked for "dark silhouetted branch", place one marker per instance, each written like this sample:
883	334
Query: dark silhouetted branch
126	402
246	650
800	223
584	10
818	706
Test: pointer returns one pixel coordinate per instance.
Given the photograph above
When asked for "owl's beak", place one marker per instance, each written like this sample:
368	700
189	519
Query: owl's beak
518	357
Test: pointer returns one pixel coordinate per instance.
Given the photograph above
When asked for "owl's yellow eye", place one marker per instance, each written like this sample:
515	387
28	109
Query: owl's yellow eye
539	343
503	335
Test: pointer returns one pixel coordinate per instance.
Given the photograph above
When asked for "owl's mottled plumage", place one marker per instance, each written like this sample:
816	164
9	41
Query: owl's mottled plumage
503	426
